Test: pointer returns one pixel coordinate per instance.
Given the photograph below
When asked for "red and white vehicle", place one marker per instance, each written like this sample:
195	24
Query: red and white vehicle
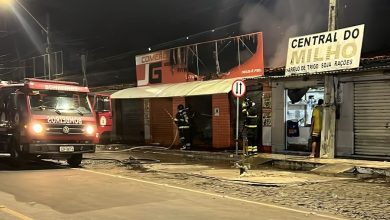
46	119
101	104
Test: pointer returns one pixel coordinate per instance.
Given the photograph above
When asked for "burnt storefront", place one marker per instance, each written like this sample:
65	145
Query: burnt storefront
198	76
145	114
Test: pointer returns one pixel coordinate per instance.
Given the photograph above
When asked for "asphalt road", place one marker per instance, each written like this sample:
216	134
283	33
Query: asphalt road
50	191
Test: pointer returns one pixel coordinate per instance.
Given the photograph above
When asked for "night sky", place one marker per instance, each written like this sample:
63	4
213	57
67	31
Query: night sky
112	32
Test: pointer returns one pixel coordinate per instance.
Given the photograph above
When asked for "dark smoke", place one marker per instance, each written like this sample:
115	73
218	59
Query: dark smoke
282	19
375	14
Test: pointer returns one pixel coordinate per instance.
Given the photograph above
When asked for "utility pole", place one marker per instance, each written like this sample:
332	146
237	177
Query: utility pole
47	32
84	68
48	46
329	114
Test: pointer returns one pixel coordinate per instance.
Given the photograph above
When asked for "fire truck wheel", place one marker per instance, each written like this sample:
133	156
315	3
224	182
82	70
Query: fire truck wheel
13	150
105	138
17	158
75	160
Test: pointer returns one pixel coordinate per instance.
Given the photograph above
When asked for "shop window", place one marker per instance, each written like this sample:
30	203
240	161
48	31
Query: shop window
300	111
299	107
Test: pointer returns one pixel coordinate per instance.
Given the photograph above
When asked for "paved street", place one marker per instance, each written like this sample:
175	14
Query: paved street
112	189
361	197
51	191
184	110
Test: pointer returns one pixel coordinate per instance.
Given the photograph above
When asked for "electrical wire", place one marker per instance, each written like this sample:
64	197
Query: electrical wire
162	45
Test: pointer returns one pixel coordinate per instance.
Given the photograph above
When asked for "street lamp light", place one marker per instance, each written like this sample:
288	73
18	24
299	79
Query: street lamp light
6	2
9	3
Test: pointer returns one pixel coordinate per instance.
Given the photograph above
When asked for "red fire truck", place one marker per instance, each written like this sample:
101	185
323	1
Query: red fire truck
46	119
101	104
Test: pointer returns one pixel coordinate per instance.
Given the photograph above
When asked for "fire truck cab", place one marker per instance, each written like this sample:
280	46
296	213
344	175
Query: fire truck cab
46	119
101	104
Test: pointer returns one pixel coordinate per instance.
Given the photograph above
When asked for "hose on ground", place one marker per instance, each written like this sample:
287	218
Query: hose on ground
132	160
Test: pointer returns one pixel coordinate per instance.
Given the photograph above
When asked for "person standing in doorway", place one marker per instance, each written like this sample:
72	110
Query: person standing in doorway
316	127
183	124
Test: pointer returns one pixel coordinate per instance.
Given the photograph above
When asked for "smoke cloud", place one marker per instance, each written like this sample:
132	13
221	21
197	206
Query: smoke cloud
281	19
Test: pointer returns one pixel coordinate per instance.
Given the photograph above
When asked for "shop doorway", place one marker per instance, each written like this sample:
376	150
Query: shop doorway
299	104
201	106
128	120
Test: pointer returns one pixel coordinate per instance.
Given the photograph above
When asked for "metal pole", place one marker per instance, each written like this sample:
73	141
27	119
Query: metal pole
238	52
327	148
47	31
28	12
197	59
34	66
84	69
237	121
48	47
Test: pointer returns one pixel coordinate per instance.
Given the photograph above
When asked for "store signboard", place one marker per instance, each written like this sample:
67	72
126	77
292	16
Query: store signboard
232	57
327	51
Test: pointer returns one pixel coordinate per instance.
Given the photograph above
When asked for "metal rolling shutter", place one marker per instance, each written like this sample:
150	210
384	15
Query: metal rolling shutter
161	123
133	121
372	118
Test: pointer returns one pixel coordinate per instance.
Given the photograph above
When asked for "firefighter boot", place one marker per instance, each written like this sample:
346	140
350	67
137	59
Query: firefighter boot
250	150
254	150
245	146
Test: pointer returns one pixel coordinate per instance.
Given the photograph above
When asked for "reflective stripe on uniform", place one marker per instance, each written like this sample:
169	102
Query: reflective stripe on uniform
251	126
251	116
184	126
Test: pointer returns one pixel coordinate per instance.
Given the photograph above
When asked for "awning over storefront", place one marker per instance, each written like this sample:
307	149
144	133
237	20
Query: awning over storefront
176	90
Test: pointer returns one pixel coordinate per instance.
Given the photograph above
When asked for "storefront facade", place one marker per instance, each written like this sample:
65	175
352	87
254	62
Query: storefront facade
145	114
285	111
362	103
364	115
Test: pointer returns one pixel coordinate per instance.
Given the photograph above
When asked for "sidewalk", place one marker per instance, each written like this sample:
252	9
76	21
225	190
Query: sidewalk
288	162
324	166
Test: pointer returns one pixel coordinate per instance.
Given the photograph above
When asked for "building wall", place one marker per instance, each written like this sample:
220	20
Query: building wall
344	125
277	117
266	117
222	127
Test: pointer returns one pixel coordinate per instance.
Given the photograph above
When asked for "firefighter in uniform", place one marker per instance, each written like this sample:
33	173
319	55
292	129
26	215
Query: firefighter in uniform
246	104
250	125
183	124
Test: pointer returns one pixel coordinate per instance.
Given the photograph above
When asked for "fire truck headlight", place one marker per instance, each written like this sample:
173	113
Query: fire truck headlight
89	130
37	128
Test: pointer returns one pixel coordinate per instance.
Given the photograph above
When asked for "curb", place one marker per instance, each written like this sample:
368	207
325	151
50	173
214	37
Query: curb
257	162
372	171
